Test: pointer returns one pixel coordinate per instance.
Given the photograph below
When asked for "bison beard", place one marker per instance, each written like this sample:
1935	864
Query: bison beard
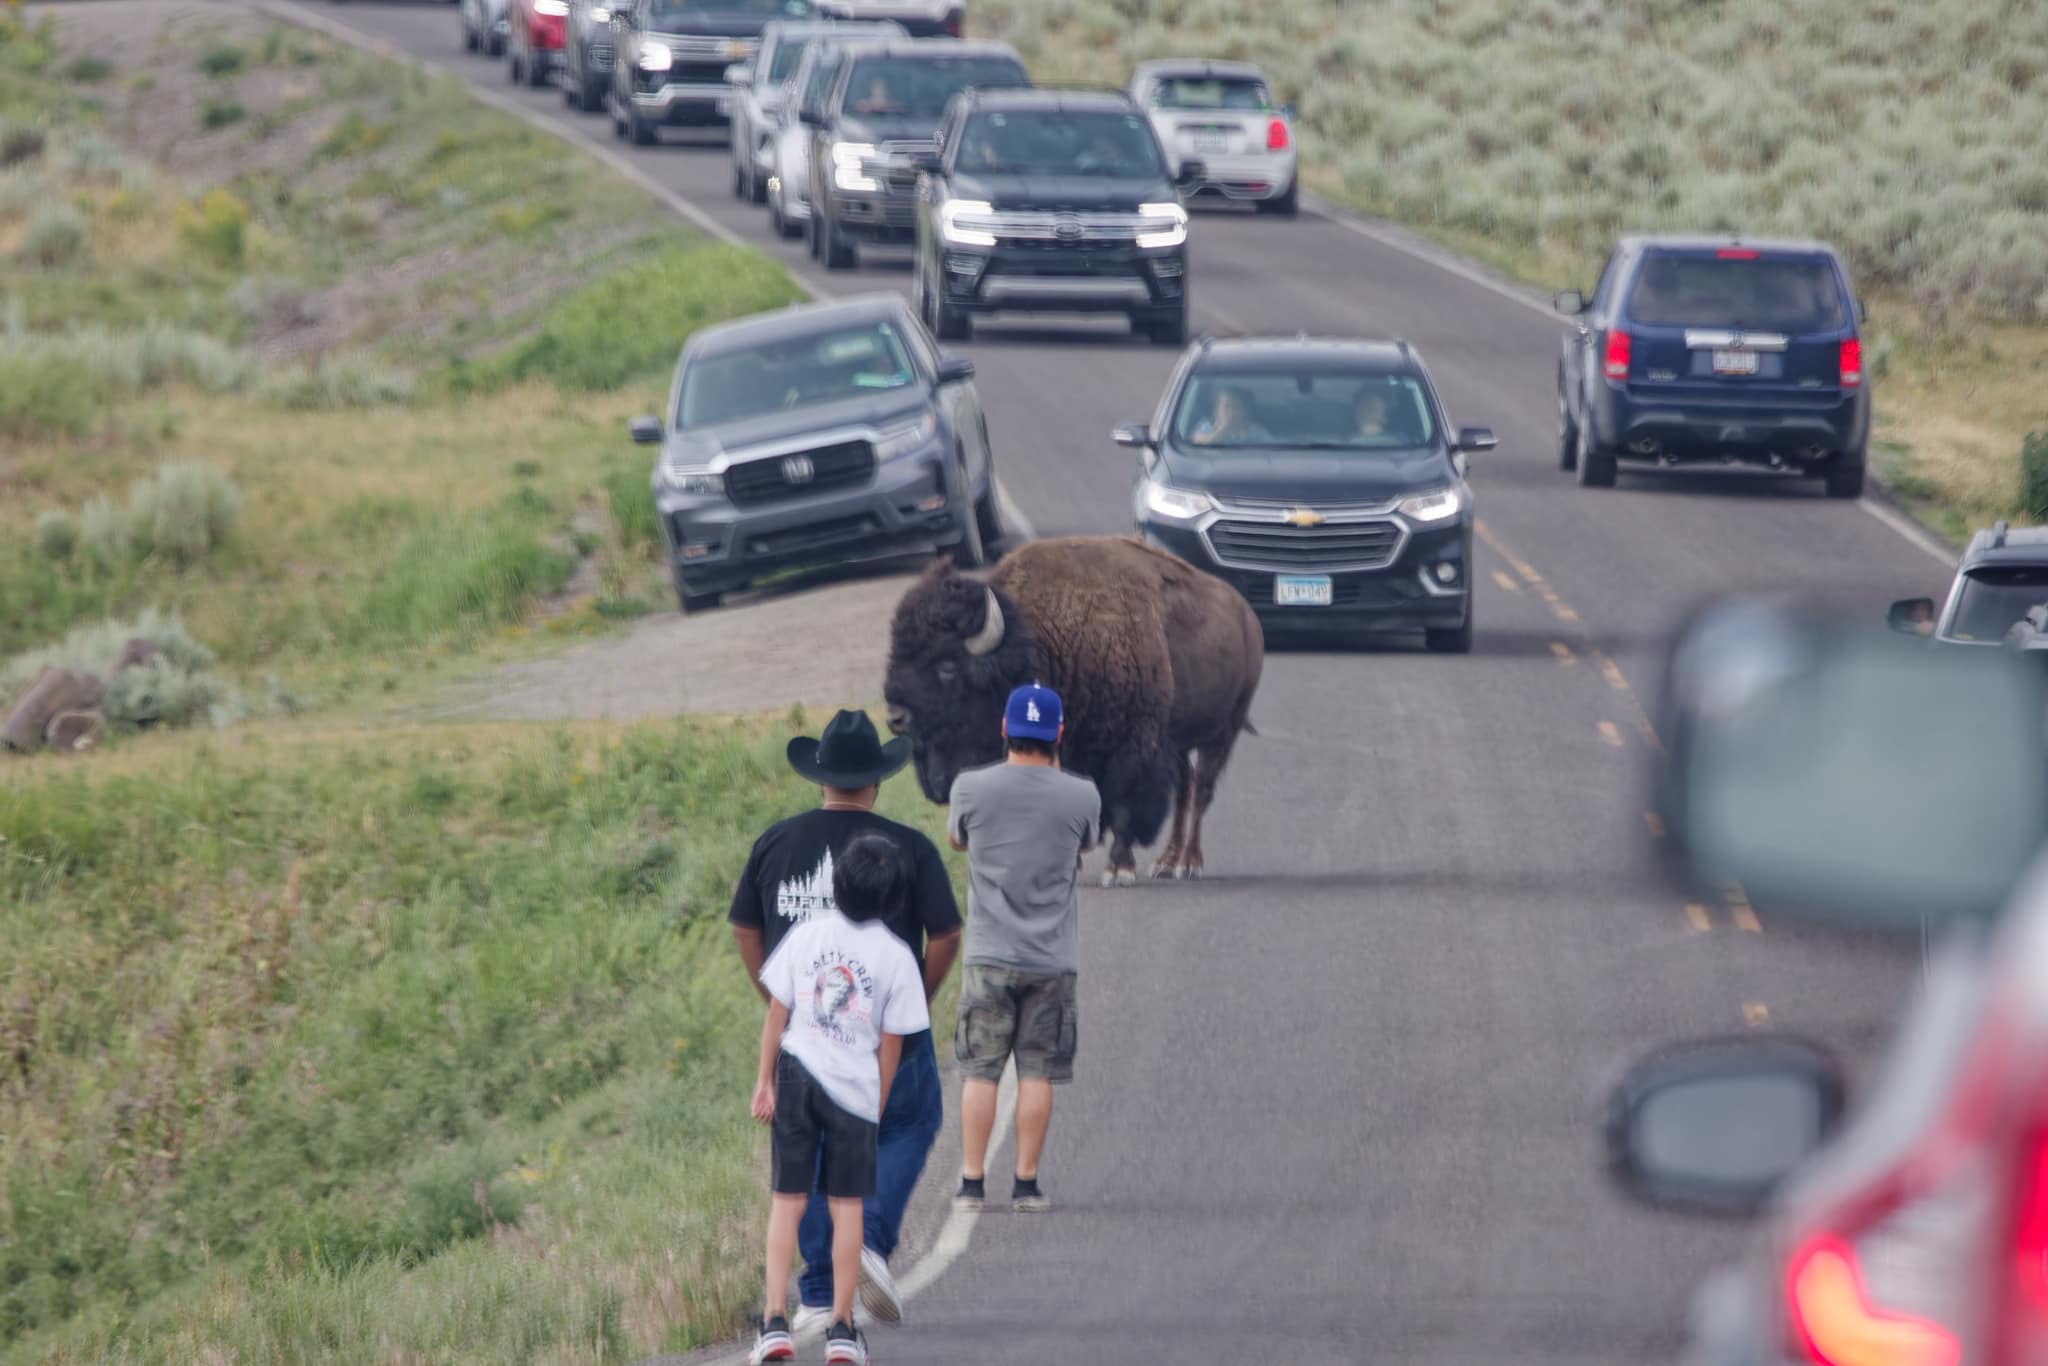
1153	659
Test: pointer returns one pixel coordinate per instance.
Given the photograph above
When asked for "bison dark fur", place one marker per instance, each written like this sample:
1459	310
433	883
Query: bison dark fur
1156	662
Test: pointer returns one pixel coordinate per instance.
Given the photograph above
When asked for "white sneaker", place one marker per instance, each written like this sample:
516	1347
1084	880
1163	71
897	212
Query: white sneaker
878	1288
810	1319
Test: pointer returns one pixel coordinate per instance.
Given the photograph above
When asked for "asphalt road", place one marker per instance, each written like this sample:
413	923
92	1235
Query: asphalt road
1339	1102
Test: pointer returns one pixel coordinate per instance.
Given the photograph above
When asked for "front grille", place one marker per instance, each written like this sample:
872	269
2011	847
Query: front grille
905	148
1064	228
697	73
1333	545
770	479
813	536
718	50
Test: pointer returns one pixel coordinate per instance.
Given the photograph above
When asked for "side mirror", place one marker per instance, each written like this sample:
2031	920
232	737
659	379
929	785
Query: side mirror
1132	434
809	117
1714	1126
1476	439
1190	172
1911	616
646	430
1569	302
740	75
926	162
955	369
1815	761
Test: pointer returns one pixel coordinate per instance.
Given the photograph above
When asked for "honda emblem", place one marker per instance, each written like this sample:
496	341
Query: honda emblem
797	469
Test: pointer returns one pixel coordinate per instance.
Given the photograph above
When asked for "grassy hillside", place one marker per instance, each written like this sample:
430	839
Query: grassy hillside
1532	132
404	1045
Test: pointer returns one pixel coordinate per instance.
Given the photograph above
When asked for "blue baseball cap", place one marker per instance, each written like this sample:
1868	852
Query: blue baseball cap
1033	713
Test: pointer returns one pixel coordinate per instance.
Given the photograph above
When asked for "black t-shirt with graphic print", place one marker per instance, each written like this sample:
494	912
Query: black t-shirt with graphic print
789	875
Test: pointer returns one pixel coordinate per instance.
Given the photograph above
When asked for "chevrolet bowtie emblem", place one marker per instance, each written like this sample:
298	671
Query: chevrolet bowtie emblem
1305	517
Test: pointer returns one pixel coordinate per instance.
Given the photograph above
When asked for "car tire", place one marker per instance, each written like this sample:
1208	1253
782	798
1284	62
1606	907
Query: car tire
757	186
1845	478
536	70
514	68
692	603
494	46
1286	205
639	131
1169	329
946	322
1567	436
739	181
970	551
989	513
470	41
834	249
812	226
1451	640
1596	462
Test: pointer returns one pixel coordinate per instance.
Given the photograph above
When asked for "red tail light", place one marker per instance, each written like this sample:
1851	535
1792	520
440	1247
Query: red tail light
1616	362
1837	1324
953	21
1852	363
1276	135
1735	254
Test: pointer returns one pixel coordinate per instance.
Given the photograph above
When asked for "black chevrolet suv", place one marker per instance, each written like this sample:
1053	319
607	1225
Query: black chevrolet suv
1051	201
1715	349
874	124
1321	478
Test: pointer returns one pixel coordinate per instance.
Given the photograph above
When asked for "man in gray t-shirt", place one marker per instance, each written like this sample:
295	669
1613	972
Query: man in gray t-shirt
1024	824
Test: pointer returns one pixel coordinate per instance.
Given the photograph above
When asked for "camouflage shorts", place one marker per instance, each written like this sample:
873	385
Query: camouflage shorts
1009	1010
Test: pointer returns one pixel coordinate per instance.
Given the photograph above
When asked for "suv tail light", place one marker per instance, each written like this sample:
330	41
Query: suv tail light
1615	363
1837	1324
2022	1332
1852	363
1276	135
953	22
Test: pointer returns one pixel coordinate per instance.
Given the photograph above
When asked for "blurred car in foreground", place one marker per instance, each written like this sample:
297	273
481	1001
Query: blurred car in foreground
1840	775
485	25
2002	576
587	55
538	31
1699	349
1050	201
670	59
1320	478
1223	115
918	18
818	435
872	126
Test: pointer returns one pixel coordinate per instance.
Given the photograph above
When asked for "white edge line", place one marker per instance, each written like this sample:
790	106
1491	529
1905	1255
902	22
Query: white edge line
1403	242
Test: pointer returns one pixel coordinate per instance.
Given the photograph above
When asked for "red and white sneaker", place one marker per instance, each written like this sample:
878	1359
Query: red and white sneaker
772	1343
845	1345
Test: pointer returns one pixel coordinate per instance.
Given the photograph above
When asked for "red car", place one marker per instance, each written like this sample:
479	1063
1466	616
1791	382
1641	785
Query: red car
540	31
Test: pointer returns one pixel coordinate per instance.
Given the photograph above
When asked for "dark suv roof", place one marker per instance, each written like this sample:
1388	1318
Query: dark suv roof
2000	544
1289	353
1692	241
1011	99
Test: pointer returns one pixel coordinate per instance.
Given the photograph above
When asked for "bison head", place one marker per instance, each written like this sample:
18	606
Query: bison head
956	649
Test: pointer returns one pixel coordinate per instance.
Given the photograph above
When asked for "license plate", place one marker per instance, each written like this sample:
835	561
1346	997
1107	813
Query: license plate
1301	590
1211	142
1735	362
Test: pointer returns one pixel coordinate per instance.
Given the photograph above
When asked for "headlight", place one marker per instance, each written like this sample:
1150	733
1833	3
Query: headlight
1166	225
691	480
552	8
656	57
956	223
905	437
1178	505
1434	506
846	166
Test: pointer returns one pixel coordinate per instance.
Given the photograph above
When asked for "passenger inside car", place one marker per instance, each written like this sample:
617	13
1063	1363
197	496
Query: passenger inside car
878	100
1229	421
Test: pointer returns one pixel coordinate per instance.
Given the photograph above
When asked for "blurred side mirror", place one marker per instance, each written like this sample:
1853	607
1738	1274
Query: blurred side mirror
1714	1126
1912	616
1476	439
646	430
955	369
1840	774
740	75
1132	434
1569	302
926	162
1189	173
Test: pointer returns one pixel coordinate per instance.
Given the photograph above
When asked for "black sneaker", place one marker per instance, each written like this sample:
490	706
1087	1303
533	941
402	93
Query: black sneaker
772	1342
845	1346
1027	1198
971	1195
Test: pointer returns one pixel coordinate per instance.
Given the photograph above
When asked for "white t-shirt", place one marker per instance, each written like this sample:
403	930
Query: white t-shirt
846	984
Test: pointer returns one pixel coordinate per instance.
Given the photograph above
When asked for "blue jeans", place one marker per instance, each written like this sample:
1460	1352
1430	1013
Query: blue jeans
909	1127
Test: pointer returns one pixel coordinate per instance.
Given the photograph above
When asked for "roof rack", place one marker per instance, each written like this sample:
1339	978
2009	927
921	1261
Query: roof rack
1401	345
1205	341
1998	536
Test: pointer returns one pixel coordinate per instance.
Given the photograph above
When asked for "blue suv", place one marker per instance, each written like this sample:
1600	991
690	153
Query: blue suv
1715	349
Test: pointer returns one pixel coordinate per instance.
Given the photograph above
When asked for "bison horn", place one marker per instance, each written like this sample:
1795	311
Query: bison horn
991	633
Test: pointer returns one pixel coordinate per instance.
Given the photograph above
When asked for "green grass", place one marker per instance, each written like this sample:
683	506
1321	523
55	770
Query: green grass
422	1045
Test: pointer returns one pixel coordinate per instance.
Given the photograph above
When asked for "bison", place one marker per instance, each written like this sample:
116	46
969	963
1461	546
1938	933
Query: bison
1156	662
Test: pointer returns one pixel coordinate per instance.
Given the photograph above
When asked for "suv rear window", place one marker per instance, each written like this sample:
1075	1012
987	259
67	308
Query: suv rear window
1782	293
918	87
1209	92
1993	599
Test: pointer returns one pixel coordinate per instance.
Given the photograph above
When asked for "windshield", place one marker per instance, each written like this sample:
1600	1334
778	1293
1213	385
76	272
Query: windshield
667	15
1052	142
1326	410
787	54
1785	294
794	372
1211	92
1993	599
918	87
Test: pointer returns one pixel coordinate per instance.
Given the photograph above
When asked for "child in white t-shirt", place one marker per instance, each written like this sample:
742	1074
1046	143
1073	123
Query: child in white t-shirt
843	990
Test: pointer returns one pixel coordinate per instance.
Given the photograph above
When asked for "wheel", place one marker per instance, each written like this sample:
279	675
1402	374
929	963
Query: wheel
971	552
757	184
470	41
1170	330
1283	206
536	69
739	181
989	513
782	226
1567	435
946	322
639	131
811	229
1596	463
494	46
1451	640
834	249
572	91
1845	480
512	71
692	603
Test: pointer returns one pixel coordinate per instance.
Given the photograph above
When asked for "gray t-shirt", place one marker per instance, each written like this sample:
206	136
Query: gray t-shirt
1025	826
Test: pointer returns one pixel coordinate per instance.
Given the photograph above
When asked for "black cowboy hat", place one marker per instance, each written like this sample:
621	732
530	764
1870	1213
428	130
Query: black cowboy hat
850	754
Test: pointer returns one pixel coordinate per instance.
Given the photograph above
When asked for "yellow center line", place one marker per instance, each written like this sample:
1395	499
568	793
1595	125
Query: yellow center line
1656	825
1696	916
1756	1014
1742	913
1612	673
1506	581
1610	733
1563	652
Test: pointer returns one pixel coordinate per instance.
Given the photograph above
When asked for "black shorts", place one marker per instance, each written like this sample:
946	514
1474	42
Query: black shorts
806	1120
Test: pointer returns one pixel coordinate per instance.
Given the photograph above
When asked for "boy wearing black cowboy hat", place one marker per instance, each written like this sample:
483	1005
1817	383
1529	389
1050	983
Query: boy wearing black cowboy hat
788	878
